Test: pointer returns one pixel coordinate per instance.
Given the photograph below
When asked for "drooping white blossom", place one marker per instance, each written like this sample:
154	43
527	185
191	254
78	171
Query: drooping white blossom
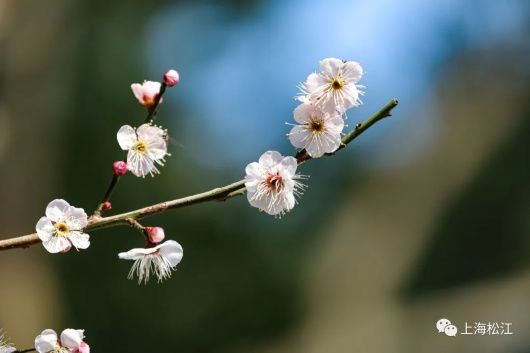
318	132
71	342
272	183
5	346
160	260
334	88
62	227
146	146
146	92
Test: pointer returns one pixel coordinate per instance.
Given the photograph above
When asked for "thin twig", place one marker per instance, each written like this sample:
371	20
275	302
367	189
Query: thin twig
218	194
151	114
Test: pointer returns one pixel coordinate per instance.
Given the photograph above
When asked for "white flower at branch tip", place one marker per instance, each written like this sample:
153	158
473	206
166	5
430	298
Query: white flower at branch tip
272	183
319	132
146	92
146	146
160	259
5	346
62	227
335	87
71	342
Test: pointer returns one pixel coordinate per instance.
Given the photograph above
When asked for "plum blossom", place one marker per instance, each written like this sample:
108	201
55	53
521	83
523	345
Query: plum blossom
272	183
62	227
155	234
318	133
71	342
146	146
147	92
335	87
5	346
160	259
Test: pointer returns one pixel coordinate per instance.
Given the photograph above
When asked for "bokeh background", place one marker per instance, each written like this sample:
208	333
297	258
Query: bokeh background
425	216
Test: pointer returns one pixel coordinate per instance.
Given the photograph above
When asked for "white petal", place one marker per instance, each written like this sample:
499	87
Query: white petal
352	71
254	171
335	124
126	137
351	96
290	164
270	159
45	229
79	240
314	82
140	164
154	138
299	136
331	66
7	349
56	244
137	253
138	92
56	209
70	338
151	88
46	341
172	251
302	113
76	218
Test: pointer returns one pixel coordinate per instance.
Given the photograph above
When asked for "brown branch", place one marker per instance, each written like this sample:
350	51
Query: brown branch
218	194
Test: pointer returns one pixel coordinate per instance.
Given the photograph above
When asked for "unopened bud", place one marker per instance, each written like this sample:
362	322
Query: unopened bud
155	234
171	78
106	206
119	168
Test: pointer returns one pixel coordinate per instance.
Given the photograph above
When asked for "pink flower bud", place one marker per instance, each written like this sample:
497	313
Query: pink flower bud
155	234
106	206
171	78
119	168
67	249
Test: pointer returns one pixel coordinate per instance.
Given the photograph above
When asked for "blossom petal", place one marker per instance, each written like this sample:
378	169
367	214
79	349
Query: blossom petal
126	137
155	139
46	341
172	251
302	113
138	92
137	253
45	228
56	209
299	136
76	218
140	164
71	338
254	170
269	159
56	244
331	66
290	164
79	240
352	71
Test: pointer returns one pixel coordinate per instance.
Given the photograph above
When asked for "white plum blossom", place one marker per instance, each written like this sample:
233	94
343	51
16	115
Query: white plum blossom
160	259
146	92
62	227
318	133
335	87
71	342
146	146
272	183
5	346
